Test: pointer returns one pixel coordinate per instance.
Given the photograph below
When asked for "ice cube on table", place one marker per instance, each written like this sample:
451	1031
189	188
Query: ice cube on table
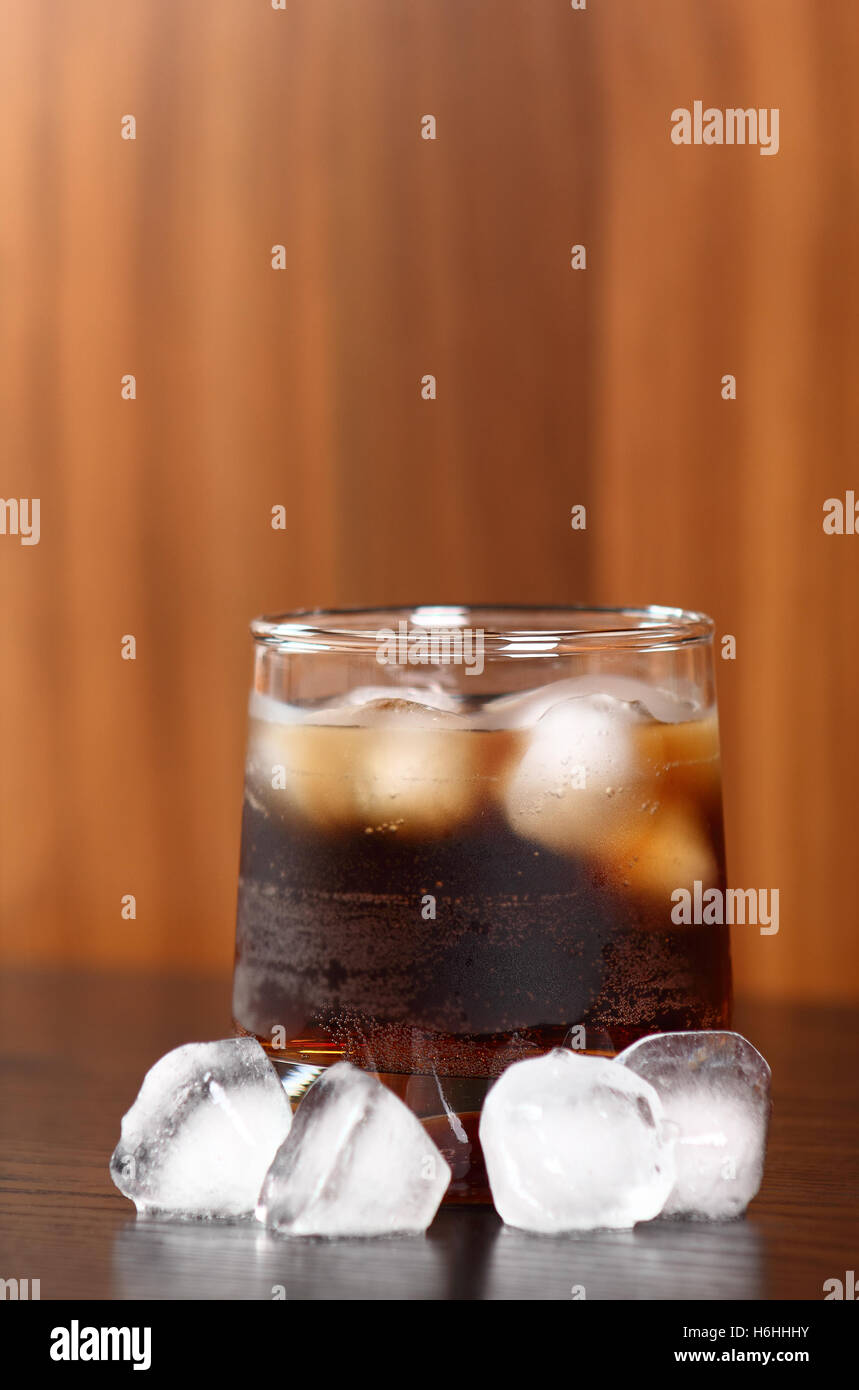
356	1162
716	1088
575	1143
205	1126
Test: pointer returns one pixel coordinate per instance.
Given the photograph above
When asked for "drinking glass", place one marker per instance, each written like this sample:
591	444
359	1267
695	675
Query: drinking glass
465	835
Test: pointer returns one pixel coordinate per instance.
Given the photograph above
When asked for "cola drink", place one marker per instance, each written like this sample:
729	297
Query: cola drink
440	875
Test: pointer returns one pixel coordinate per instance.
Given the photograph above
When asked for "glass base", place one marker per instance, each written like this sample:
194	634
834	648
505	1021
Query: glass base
447	1106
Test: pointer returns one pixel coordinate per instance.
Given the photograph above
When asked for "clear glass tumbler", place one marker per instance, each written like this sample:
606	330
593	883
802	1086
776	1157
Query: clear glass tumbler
463	838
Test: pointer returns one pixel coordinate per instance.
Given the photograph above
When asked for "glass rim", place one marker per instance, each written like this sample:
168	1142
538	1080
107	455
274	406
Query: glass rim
648	627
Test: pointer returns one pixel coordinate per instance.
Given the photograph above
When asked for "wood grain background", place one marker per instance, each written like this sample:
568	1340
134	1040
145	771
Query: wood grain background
301	387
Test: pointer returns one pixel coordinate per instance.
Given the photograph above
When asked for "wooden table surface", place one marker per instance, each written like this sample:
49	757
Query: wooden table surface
74	1047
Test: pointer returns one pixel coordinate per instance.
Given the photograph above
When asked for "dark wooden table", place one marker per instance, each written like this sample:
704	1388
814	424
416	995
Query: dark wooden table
73	1049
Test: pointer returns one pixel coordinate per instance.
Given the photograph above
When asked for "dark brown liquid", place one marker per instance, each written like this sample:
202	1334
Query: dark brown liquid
339	957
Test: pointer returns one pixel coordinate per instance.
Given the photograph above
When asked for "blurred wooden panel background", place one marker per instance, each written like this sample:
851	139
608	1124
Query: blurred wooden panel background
302	387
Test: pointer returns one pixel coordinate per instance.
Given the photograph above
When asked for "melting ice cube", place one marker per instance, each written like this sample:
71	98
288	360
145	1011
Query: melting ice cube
200	1136
716	1088
576	773
575	1143
388	766
356	1162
